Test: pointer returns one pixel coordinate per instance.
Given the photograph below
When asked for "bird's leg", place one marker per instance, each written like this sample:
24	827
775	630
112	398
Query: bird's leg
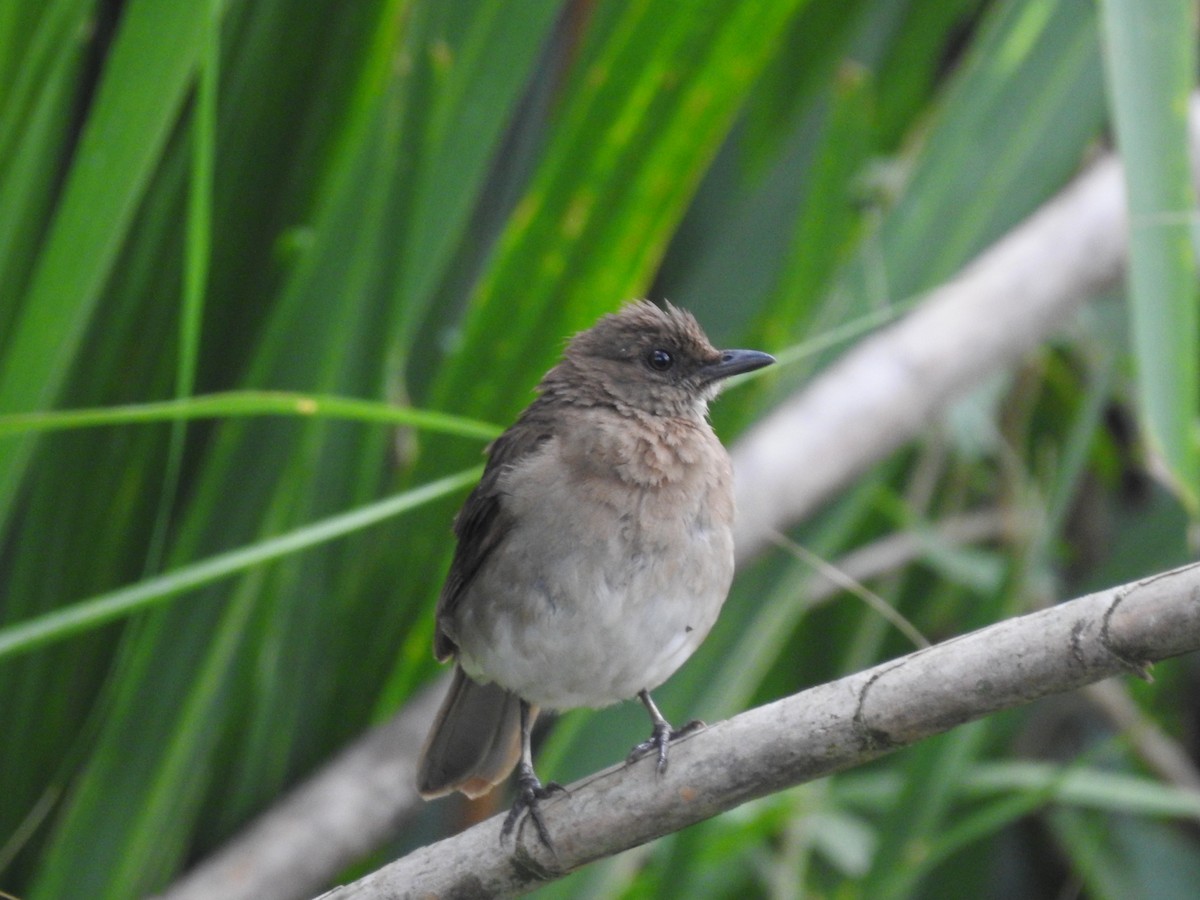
661	735
530	791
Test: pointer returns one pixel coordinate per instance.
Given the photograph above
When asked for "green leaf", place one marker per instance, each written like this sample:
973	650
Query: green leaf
643	115
93	612
1150	56
145	81
232	404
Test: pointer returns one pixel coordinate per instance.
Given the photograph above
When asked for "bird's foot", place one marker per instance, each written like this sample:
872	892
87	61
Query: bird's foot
530	793
659	739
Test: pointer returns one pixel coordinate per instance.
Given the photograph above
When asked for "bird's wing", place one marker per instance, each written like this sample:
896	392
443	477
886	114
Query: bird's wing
483	523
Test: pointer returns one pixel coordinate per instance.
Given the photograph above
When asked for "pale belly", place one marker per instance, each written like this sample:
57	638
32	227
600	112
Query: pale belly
573	621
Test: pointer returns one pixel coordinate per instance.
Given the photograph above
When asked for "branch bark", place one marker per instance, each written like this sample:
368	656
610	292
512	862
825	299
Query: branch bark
814	733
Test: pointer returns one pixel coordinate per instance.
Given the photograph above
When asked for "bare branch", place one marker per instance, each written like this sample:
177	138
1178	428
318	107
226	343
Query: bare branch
815	733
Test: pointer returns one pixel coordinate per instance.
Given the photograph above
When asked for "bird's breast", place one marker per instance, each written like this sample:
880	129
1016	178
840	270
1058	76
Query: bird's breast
604	583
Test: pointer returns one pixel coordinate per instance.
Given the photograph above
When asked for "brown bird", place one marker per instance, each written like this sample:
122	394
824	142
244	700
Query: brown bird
593	556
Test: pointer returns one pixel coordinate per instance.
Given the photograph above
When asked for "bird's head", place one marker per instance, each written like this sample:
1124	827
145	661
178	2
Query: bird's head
654	360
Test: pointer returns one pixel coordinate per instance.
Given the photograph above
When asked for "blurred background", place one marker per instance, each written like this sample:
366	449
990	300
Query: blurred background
412	203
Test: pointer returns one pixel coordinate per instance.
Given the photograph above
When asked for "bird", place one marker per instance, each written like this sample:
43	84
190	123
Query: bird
593	556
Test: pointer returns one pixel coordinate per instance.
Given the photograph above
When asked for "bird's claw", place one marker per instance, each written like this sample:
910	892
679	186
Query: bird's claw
530	793
660	738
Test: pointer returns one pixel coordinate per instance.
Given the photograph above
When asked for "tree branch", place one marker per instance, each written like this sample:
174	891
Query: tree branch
812	734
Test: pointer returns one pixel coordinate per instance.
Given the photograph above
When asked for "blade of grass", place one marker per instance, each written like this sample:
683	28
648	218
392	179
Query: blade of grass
1079	785
30	51
479	60
232	404
1150	56
35	137
918	817
1097	861
198	247
1010	126
221	674
144	84
93	612
639	125
829	222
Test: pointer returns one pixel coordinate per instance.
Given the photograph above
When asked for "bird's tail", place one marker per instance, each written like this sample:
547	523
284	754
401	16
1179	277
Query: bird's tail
475	740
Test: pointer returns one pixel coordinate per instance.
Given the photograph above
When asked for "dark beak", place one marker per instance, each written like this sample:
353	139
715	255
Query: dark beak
735	362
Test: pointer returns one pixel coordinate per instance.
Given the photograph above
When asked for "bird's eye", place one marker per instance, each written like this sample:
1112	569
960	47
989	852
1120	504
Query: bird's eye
660	360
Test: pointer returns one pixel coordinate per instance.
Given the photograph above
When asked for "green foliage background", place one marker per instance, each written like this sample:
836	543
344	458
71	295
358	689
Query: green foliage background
410	203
